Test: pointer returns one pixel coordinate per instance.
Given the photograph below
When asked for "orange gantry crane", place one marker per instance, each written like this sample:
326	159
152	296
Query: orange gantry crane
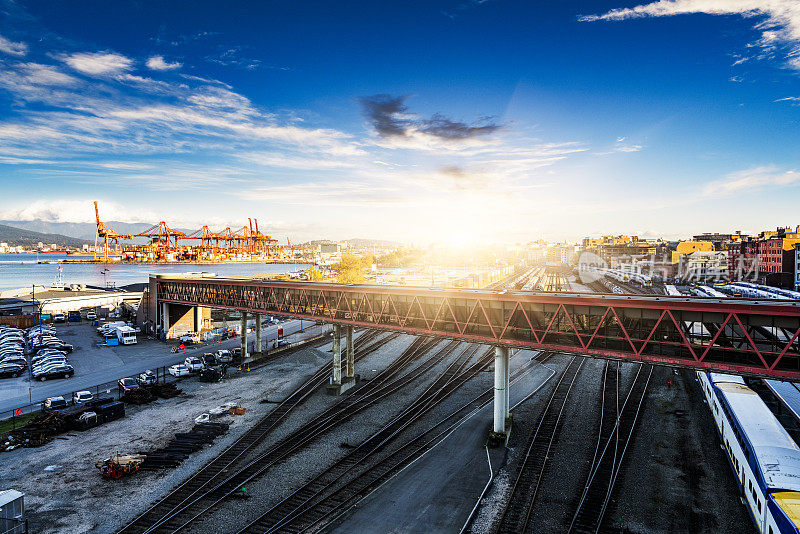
167	244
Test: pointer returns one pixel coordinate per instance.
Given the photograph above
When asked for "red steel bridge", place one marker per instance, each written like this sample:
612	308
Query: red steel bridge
734	335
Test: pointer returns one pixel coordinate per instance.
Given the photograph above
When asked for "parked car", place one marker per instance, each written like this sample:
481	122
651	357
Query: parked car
127	384
178	370
91	316
59	345
208	359
12	370
81	396
148	378
193	363
64	371
224	356
59	318
74	316
54	403
188	339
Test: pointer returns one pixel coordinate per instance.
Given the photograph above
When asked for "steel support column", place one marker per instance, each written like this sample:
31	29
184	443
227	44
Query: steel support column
337	354
351	358
500	389
259	346
243	332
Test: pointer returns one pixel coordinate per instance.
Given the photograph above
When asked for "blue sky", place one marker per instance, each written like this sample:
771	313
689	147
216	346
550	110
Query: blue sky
415	121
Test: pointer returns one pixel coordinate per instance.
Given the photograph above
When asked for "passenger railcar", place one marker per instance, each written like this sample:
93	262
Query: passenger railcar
764	458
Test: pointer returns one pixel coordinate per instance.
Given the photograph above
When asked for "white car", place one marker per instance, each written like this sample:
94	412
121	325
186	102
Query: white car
91	316
224	356
193	363
81	396
178	370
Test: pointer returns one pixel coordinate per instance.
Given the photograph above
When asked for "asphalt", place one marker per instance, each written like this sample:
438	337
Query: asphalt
438	492
98	365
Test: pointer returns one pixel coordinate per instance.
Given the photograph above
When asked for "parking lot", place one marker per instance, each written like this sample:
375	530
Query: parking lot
96	363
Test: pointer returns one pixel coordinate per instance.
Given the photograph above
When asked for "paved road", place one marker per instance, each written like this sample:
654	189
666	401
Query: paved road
438	491
95	363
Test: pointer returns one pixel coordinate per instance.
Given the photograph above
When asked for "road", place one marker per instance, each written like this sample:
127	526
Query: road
95	364
438	491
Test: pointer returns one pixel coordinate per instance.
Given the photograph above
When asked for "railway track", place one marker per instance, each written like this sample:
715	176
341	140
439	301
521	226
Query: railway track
516	515
618	420
364	344
327	494
370	393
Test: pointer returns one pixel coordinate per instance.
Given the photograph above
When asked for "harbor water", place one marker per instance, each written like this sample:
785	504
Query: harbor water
23	270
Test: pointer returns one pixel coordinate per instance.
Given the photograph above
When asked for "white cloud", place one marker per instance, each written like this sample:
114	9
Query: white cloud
778	20
72	211
98	63
752	179
158	63
13	48
794	100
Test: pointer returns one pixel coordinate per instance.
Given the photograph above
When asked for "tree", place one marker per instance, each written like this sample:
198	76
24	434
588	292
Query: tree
314	275
350	269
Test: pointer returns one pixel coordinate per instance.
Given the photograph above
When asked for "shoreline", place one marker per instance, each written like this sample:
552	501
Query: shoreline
176	262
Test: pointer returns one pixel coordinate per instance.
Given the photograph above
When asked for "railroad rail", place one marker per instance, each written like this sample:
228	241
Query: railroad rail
644	328
516	514
616	430
209	474
388	381
327	495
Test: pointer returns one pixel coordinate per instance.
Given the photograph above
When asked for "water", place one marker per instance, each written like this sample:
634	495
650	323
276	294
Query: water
21	270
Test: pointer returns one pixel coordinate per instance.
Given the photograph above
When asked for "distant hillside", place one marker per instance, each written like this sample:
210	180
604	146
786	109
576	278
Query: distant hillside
76	230
81	230
355	243
27	238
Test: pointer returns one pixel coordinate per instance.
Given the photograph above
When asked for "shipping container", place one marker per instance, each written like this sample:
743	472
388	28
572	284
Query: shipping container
12	512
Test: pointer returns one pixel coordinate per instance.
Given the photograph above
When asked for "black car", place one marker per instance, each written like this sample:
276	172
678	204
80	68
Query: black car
55	371
208	359
11	369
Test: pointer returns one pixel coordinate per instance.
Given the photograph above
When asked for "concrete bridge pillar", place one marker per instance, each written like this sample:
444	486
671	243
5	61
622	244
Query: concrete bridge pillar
258	348
165	318
243	331
501	397
351	357
337	354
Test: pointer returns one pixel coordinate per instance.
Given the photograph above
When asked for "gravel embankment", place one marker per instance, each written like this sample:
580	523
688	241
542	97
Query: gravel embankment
675	477
72	497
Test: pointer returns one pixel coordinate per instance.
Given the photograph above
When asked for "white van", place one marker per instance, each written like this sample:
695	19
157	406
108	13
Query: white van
126	335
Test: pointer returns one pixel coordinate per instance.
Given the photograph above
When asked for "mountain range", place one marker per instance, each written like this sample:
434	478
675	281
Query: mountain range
28	238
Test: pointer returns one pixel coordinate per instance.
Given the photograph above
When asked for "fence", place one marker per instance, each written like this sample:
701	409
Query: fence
106	389
111	389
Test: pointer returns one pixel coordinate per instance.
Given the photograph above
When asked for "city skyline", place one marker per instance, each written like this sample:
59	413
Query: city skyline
448	121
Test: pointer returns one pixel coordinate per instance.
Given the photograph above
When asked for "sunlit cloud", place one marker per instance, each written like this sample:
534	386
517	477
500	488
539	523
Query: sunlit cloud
752	179
98	63
777	20
160	64
13	48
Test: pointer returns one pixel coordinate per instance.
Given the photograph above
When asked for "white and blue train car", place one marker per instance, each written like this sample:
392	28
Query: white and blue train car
764	458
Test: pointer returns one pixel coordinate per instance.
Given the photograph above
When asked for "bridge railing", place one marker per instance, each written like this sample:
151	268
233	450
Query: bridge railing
719	334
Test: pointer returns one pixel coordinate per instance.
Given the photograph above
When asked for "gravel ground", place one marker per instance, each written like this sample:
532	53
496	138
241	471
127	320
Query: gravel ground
675	477
570	458
525	417
73	498
288	475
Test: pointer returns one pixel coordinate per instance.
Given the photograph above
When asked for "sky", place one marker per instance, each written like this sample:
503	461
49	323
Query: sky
461	121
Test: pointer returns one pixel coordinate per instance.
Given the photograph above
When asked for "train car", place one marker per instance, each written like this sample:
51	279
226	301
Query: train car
761	291
705	291
762	455
672	290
